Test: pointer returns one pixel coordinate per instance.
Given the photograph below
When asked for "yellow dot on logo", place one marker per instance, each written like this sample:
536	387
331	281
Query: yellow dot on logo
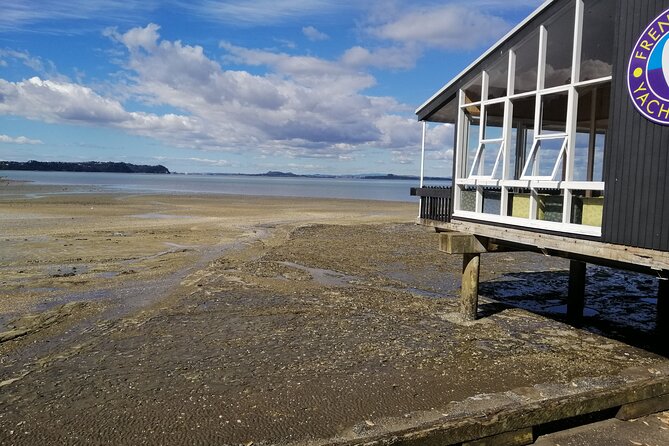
638	72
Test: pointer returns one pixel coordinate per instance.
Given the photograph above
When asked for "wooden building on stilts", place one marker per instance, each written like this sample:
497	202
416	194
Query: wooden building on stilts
561	145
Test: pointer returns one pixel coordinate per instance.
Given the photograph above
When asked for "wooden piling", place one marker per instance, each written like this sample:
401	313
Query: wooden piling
662	316
576	295
469	296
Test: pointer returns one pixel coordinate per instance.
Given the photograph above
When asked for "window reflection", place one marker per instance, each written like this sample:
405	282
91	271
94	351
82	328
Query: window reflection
592	125
473	128
548	160
498	78
597	50
527	57
494	121
554	113
447	113
485	164
523	133
559	48
473	90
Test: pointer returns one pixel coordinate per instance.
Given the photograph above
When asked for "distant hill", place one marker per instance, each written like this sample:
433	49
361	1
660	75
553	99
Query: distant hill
274	173
88	166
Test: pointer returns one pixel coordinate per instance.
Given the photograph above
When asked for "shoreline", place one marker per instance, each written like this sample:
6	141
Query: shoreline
338	188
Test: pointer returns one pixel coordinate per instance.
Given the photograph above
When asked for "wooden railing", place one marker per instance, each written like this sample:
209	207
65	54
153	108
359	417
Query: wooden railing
435	202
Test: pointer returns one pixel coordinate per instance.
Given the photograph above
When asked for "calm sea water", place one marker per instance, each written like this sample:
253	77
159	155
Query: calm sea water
386	190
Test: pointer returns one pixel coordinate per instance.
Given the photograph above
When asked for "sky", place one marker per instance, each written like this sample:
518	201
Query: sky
306	86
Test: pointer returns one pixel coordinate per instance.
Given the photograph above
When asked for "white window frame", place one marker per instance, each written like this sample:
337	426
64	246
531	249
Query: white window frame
501	175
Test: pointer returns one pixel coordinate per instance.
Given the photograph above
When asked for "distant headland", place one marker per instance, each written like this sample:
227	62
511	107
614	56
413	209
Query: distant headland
88	166
366	176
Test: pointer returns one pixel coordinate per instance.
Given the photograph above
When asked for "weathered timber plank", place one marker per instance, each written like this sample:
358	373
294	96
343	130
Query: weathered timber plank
642	408
520	437
522	416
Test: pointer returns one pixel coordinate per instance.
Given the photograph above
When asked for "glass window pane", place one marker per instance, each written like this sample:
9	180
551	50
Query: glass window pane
494	121
447	113
587	208
498	78
519	203
486	163
592	125
548	151
597	50
492	201
581	156
559	48
473	90
549	207
598	168
473	126
468	199
522	134
527	61
554	113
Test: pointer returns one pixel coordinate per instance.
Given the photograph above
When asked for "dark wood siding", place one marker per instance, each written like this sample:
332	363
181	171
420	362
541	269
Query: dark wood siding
636	160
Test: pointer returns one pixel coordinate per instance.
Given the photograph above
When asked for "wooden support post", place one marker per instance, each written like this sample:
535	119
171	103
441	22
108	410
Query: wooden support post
662	317
576	296
469	295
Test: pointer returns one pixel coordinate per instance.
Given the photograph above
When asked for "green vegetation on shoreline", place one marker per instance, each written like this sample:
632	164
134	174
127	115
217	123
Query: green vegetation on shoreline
88	166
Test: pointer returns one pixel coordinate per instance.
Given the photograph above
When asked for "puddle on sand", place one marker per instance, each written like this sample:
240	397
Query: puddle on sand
562	309
157	216
324	277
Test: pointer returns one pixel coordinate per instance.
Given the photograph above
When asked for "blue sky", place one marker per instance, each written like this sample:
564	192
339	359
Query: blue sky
308	86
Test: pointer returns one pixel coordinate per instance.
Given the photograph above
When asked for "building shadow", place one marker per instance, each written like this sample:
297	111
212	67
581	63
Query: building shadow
620	305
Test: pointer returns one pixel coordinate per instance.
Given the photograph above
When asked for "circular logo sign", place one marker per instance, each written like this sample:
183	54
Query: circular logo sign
648	71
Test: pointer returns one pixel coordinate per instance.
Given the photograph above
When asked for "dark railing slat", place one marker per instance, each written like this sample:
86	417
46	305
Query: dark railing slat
435	202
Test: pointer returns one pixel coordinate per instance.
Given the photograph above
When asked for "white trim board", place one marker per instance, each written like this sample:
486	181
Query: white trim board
566	228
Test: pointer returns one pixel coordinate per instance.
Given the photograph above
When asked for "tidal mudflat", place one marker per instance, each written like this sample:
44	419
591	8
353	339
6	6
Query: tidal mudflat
156	319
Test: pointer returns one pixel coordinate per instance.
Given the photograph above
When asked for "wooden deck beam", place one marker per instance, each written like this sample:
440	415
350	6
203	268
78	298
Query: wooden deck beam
461	243
590	251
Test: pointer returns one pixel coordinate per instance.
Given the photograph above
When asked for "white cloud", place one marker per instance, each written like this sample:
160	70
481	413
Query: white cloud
303	107
210	162
18	14
137	38
37	64
63	102
313	34
439	137
391	57
19	140
447	26
259	12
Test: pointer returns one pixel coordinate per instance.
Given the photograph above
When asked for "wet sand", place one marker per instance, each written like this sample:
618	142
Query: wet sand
139	319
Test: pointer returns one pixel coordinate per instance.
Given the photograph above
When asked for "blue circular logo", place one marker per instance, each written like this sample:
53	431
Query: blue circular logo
648	71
